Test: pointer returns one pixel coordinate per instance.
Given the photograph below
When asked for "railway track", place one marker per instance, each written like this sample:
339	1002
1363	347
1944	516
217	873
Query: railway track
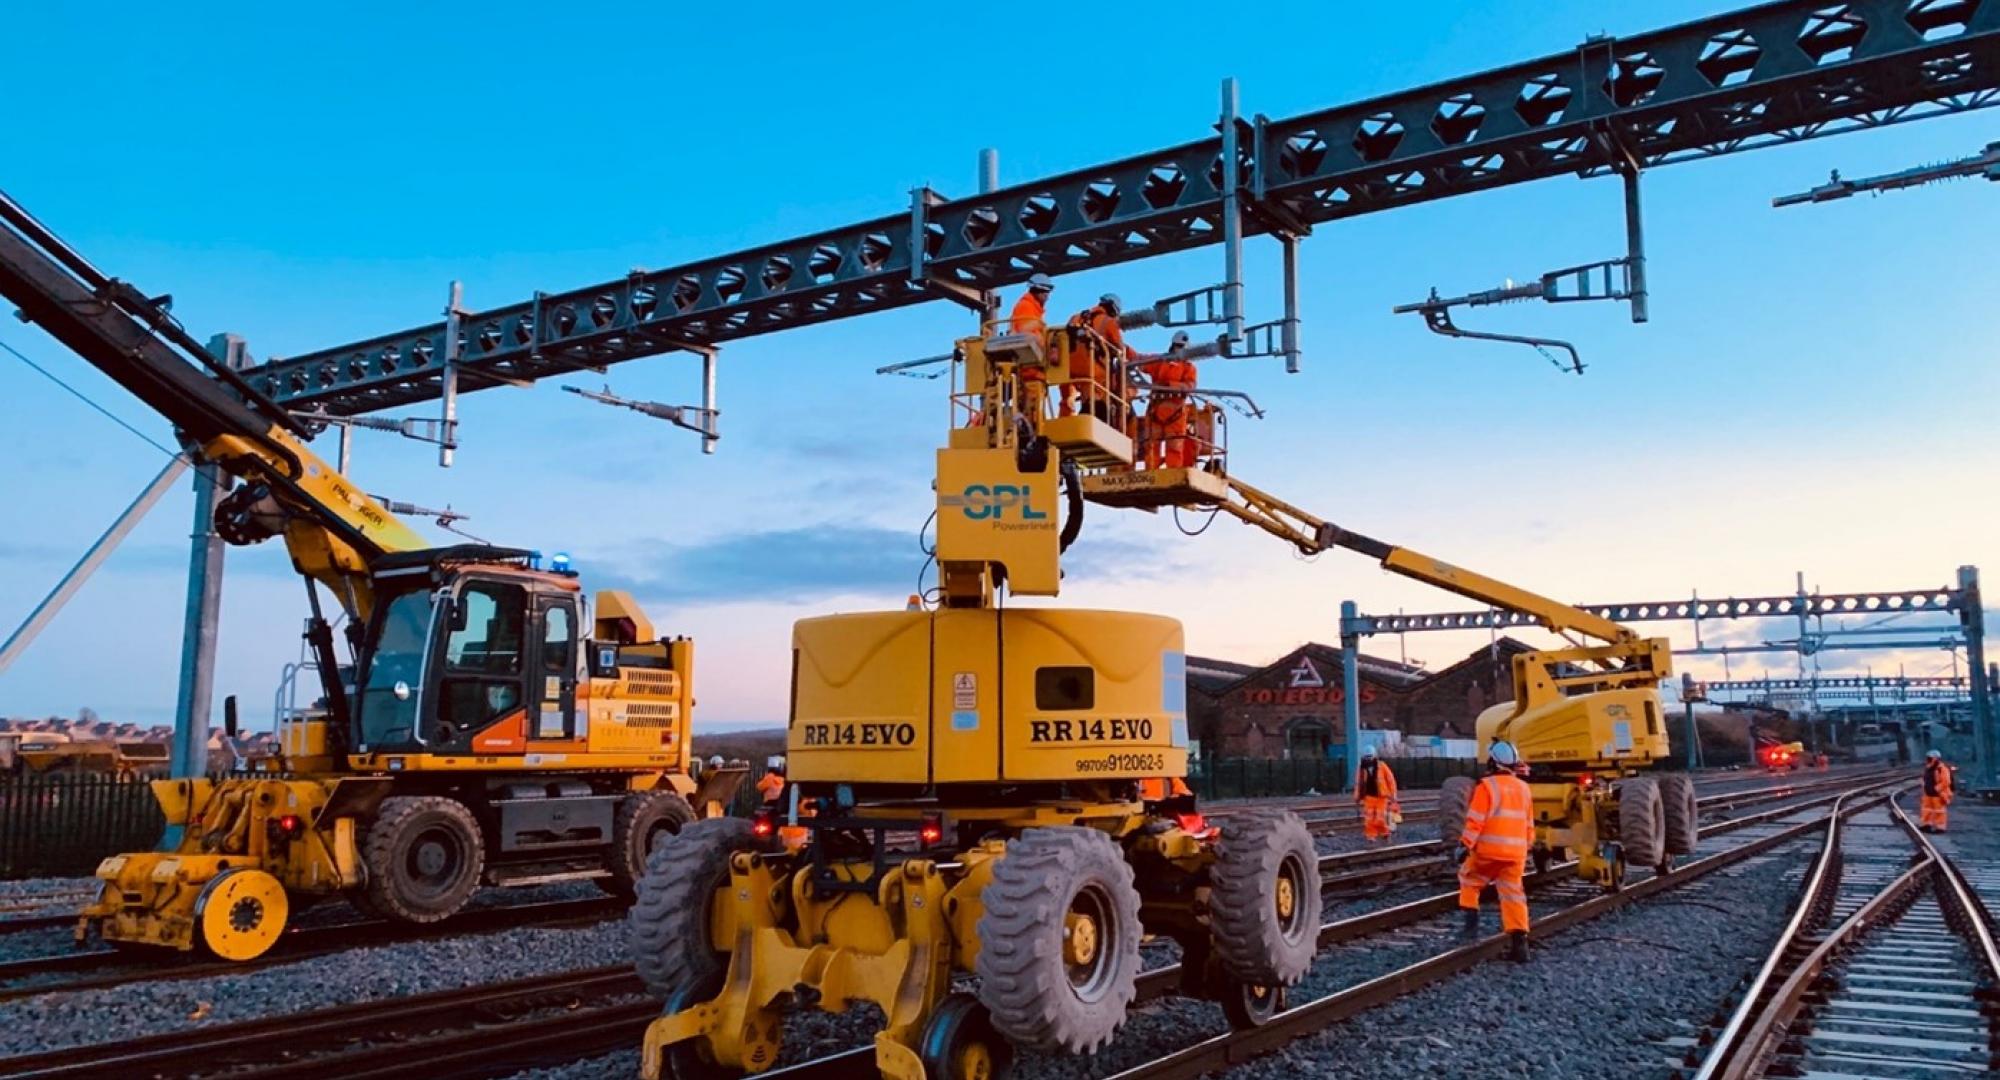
98	968
498	1029
1888	967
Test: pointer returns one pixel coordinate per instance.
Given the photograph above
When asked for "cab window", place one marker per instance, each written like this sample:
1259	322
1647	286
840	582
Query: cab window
558	641
482	658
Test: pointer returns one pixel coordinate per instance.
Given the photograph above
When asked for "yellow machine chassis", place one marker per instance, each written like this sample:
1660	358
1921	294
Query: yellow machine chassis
897	949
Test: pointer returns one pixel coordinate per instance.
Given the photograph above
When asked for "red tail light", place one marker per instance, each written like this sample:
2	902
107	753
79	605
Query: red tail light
762	824
931	831
1585	780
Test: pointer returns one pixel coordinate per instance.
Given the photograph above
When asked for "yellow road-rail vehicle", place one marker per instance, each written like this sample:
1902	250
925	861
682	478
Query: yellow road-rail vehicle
979	788
497	728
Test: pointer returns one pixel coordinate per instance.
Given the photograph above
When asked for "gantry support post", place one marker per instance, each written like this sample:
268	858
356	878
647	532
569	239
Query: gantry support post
204	603
1971	616
1232	218
1635	245
1350	691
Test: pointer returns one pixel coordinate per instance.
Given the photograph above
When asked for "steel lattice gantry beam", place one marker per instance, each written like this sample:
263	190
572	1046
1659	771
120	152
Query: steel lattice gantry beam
1943	601
1776	73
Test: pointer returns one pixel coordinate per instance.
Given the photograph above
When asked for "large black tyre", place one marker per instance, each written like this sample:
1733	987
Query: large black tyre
1642	822
1044	984
644	818
1454	799
424	857
667	928
1264	902
1682	811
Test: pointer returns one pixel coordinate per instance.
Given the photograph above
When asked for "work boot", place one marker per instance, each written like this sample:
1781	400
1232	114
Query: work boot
1517	946
1468	930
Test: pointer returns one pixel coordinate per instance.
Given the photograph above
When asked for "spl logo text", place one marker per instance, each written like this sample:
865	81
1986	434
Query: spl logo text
982	502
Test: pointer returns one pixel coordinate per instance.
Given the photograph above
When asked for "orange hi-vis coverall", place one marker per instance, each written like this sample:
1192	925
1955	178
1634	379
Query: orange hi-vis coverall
1031	317
1937	795
1156	788
1084	367
1169	413
1498	830
1375	790
771	786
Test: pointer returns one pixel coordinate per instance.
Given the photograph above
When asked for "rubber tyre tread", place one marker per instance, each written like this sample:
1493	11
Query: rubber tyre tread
637	813
1454	802
1678	801
1022	978
667	928
381	852
1242	907
1641	822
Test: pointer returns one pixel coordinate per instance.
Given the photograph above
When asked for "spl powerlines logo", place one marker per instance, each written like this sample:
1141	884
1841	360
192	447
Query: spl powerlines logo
995	502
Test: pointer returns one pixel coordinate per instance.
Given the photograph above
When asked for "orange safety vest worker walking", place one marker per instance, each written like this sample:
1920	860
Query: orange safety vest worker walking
1031	317
1091	365
1375	790
1169	412
1493	849
1937	793
773	783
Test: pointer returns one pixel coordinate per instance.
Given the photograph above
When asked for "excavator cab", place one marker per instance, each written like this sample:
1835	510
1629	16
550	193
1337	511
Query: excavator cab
469	659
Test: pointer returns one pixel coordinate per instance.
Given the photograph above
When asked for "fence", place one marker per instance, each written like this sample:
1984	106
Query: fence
1256	778
63	826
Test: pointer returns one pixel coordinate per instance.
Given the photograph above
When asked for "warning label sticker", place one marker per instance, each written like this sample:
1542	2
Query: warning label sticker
965	690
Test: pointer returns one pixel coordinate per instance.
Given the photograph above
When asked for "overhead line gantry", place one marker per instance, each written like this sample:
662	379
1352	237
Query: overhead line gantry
1763	76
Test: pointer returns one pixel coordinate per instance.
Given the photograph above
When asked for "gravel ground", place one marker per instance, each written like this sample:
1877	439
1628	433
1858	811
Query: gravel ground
54	1020
1648	973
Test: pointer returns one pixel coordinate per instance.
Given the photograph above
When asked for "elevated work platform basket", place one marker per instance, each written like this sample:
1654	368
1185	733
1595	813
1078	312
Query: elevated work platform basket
1151	489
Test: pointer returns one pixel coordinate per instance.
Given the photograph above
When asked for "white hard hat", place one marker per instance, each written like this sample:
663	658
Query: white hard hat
776	762
1042	282
1502	752
1368	754
1180	339
1934	755
1110	300
716	761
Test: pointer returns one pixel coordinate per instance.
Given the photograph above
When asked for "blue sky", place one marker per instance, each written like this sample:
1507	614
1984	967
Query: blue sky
1815	390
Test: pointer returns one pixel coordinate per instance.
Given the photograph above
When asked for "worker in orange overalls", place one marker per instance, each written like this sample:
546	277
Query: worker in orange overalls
1031	315
1375	793
1937	793
1169	411
1096	351
772	786
1493	849
1159	788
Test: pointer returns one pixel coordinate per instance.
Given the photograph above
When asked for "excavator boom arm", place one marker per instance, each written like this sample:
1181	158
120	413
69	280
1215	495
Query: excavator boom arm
333	529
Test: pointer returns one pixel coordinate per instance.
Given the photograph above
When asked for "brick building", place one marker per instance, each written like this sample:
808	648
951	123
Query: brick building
1292	706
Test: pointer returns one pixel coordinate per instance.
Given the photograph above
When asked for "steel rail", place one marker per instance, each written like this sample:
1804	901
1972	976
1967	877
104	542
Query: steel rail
483	1050
1821	883
1238	1047
1743	1055
387	1019
297	943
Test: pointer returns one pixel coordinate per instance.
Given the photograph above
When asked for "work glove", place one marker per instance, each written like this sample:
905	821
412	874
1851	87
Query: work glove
1463	853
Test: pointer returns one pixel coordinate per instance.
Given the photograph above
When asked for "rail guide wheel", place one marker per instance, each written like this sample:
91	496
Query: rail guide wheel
1250	1005
240	914
960	1043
